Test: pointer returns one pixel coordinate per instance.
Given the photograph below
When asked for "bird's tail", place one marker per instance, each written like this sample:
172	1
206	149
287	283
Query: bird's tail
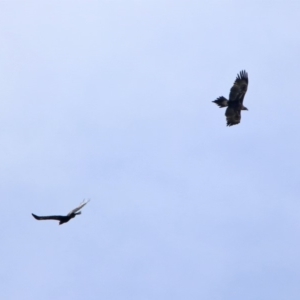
78	213
221	101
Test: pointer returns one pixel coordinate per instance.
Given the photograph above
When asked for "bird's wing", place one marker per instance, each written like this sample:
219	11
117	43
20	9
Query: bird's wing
79	207
233	116
239	88
58	218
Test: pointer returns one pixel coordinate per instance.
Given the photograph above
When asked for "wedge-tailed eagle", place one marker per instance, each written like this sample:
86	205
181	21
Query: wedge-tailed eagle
64	219
236	97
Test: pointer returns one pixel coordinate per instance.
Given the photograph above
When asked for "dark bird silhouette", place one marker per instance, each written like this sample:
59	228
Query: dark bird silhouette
236	97
63	219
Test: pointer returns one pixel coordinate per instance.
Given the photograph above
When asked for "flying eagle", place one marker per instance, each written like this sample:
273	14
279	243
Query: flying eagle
63	219
236	96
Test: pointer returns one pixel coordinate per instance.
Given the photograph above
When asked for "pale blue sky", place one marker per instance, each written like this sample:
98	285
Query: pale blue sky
111	100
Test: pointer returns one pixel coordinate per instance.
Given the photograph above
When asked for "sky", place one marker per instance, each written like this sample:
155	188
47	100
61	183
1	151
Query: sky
112	100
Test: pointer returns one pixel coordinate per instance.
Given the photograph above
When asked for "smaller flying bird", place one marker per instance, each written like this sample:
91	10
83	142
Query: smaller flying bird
236	97
64	219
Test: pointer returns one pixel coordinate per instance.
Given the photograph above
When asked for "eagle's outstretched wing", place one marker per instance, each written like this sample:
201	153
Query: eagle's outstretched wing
233	116
57	218
239	88
79	207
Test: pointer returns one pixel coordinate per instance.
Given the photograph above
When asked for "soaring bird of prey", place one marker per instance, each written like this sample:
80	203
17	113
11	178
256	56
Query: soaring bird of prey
236	97
64	219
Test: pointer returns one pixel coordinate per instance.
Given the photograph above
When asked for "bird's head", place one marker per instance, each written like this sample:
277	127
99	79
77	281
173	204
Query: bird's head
73	215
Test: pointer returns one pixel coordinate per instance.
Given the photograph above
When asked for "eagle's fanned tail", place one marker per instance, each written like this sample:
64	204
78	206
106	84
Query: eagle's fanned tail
221	102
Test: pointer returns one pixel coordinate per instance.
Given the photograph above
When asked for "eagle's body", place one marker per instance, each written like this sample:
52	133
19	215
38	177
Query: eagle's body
236	97
63	219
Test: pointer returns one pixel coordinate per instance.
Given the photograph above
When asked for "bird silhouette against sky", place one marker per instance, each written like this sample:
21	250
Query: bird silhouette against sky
236	97
63	219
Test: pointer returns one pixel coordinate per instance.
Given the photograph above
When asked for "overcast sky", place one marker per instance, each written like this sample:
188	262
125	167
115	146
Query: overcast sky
111	100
